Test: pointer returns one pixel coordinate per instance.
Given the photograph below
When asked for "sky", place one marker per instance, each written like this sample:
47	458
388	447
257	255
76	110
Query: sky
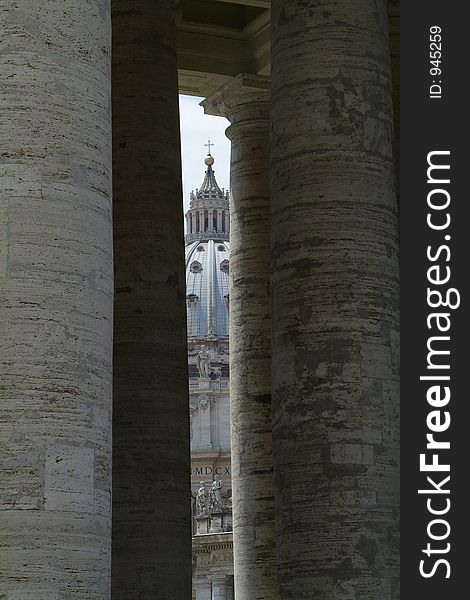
196	129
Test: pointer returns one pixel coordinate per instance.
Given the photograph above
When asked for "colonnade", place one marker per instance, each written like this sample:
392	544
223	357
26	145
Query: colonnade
202	220
313	307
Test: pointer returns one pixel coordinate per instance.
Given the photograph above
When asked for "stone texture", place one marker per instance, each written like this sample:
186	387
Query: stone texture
394	33
56	294
213	559
202	589
335	301
151	467
245	102
219	587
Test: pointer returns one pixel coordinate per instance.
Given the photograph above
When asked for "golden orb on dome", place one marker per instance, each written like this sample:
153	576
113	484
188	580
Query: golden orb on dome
209	160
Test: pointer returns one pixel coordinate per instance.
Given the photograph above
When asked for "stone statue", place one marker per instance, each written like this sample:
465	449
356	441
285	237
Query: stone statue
203	360
202	499
215	494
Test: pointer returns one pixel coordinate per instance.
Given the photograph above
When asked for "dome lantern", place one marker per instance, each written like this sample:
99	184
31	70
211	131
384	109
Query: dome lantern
208	216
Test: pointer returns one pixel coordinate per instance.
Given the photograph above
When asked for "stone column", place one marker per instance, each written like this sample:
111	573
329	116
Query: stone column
219	220
335	301
245	102
151	512
56	299
201	221
193	221
394	32
202	587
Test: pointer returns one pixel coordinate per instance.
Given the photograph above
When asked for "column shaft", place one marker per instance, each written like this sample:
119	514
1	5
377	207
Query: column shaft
245	102
335	301
151	512
56	295
394	32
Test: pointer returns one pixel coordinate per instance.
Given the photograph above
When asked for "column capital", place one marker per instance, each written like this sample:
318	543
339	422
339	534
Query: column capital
243	90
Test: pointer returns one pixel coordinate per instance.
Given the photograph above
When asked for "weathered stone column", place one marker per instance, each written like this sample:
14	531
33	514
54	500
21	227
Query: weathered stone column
56	296
335	301
394	33
151	511
245	102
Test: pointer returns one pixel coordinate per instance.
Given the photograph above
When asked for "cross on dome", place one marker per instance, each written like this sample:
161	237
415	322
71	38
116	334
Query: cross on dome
208	145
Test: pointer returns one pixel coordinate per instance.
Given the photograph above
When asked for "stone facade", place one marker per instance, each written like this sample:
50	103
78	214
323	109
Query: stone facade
207	298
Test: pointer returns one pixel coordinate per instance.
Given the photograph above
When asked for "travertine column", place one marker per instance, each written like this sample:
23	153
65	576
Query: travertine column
201	221
151	512
245	102
56	294
335	301
394	32
193	222
219	220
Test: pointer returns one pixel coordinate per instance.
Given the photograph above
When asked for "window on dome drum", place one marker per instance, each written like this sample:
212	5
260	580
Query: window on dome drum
191	298
195	267
221	248
200	249
224	266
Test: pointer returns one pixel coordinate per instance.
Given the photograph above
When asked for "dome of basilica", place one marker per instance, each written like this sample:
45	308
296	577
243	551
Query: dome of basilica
207	259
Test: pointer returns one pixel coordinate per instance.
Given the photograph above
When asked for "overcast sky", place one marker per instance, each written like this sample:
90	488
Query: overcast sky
196	129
